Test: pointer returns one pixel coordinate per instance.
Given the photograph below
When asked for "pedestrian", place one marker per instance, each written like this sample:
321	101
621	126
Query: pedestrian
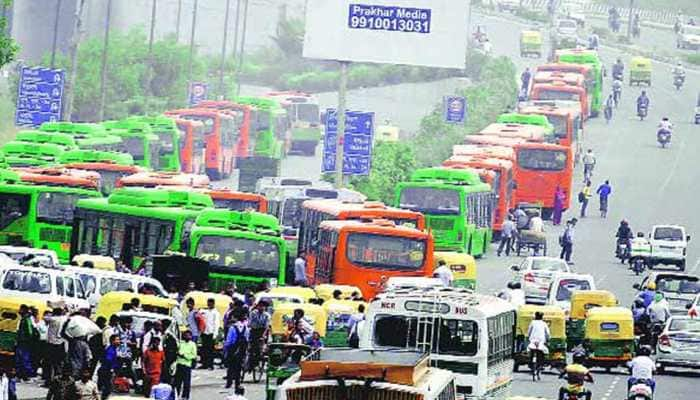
315	341
95	344
156	331
136	304
79	355
110	330
127	346
536	223
238	394
25	340
212	323
353	326
507	235
566	240
153	359
300	270
41	354
583	198
109	364
186	358
195	321
61	386
235	350
525	80
170	345
609	105
604	192
444	273
56	343
521	219
8	384
559	199
85	388
589	162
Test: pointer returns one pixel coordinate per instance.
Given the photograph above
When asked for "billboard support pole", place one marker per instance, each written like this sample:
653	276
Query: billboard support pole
342	94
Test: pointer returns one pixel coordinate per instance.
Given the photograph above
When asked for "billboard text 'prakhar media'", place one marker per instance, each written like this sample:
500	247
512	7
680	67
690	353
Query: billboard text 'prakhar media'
412	32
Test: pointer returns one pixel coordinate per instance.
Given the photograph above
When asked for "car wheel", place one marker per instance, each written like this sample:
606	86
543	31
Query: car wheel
660	369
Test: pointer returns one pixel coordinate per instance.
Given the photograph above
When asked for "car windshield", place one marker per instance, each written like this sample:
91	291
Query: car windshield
567	286
12	208
27	281
541	159
240	256
386	252
558	95
430	200
449	336
678	284
685	325
668	233
56	207
237	204
546	264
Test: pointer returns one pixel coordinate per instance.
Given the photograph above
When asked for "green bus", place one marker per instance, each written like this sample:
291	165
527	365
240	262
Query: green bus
587	57
66	141
28	154
169	136
138	140
133	224
3	162
241	247
457	205
528	119
305	117
87	136
38	216
90	156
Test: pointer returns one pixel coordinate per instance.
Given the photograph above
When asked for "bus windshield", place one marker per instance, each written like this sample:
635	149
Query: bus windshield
450	336
166	143
56	208
239	255
12	208
134	146
557	95
308	113
430	200
541	159
559	122
386	252
27	281
291	214
237	204
207	121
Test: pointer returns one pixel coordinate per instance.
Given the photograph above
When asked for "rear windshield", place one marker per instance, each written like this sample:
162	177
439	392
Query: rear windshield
567	287
668	233
687	325
678	284
549	265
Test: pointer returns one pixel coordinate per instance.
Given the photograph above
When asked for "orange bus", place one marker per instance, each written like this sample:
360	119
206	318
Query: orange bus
237	201
483	150
539	169
156	179
243	115
502	180
366	254
588	72
570	78
566	123
561	91
491	140
531	133
192	146
59	177
221	140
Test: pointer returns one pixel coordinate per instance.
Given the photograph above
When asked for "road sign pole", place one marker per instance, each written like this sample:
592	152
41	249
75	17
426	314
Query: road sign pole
55	33
103	72
342	93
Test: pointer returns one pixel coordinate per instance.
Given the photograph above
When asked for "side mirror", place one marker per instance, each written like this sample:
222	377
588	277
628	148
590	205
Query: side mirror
687	238
515	268
636	286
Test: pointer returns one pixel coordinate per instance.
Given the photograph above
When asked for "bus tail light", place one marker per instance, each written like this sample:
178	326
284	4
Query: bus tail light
529	277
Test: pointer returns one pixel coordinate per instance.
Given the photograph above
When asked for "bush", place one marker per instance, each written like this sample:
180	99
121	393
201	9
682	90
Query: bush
8	47
532	15
693	58
602	32
392	162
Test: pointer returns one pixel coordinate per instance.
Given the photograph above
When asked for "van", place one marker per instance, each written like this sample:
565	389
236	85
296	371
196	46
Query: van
97	282
669	246
50	285
563	285
44	257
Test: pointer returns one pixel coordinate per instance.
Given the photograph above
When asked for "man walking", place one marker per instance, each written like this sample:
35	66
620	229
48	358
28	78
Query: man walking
525	80
583	198
300	270
57	350
212	323
26	337
186	357
566	240
507	232
589	161
235	349
604	191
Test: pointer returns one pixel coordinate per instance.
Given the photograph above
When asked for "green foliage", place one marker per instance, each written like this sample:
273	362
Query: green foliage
532	15
602	32
492	95
8	47
135	83
392	162
693	58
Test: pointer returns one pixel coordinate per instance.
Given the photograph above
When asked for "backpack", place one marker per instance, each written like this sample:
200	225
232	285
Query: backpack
201	322
240	346
581	197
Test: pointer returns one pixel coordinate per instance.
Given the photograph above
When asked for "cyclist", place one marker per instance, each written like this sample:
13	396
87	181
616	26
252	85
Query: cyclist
589	162
538	335
576	377
259	324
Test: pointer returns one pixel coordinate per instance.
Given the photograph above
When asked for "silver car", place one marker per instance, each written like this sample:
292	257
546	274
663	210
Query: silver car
679	344
535	275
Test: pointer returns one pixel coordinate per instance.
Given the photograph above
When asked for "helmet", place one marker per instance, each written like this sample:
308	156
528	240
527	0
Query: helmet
579	357
645	351
651	285
664	119
623	222
644	92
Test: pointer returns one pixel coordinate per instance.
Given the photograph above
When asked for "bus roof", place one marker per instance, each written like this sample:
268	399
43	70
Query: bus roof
559	87
154	179
564	67
502	152
378	226
448	300
477	161
570	78
264	103
250	221
445	175
74	128
547	110
59	177
511	130
362	210
92	156
57	138
27	188
228	194
525	119
130	128
577	56
149	198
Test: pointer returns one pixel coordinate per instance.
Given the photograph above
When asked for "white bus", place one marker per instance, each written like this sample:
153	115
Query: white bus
467	333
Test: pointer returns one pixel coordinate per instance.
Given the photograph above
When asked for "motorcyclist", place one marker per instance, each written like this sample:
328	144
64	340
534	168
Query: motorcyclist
639	247
639	312
679	70
643	369
623	235
576	377
593	41
617	89
647	295
659	311
609	105
665	125
618	70
642	101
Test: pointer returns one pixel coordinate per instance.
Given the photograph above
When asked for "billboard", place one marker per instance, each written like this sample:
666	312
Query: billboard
412	32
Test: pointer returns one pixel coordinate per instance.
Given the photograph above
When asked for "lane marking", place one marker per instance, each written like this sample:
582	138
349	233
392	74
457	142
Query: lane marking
608	393
696	266
672	172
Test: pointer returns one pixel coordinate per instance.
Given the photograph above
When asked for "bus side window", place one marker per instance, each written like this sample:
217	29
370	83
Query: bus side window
59	286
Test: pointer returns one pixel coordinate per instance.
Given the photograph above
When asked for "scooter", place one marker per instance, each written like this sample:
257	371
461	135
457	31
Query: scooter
678	81
637	264
640	390
623	251
663	137
642	112
617	95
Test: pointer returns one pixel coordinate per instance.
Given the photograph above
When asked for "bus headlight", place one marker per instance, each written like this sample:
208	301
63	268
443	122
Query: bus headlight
273	282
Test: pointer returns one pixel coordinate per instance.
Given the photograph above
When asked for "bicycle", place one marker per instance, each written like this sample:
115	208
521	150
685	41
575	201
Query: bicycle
256	358
536	362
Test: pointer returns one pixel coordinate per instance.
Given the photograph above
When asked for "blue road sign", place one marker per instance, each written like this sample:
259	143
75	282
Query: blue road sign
197	93
39	96
357	142
455	109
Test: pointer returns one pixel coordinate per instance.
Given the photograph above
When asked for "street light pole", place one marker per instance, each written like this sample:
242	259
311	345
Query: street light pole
75	41
148	92
55	33
103	72
629	20
222	92
177	21
342	96
242	51
194	26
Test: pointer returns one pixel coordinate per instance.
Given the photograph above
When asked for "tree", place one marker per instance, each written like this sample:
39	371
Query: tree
8	47
392	162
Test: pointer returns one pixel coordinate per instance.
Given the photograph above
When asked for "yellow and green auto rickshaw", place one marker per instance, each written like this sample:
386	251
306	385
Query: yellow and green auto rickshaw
581	302
338	314
286	294
113	302
530	43
463	268
556	319
608	337
283	313
9	310
640	71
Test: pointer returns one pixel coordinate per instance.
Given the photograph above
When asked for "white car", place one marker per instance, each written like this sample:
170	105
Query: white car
669	245
689	37
679	344
29	255
563	285
535	275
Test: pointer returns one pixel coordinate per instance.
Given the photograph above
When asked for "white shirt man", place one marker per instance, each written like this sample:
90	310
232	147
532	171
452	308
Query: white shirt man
642	367
536	224
444	273
212	318
300	271
659	311
589	158
538	333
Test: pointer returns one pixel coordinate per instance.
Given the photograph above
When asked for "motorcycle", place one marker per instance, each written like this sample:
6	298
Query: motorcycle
678	81
640	390
623	251
663	137
642	112
608	114
638	265
617	95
